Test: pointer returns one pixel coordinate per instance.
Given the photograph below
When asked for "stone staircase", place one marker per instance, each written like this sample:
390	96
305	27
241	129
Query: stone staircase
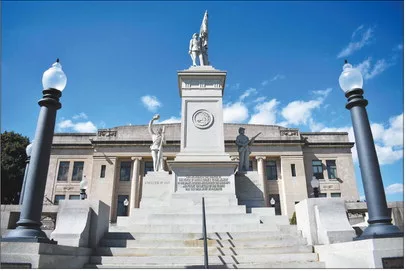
262	249
171	237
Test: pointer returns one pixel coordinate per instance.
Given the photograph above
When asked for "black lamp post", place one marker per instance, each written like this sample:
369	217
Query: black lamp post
27	162
28	226
315	183
379	221
83	187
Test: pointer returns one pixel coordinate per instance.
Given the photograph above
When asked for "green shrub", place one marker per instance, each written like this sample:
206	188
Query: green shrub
293	219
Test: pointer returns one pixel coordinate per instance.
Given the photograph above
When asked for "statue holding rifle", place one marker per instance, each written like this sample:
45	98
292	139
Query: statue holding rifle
158	139
244	143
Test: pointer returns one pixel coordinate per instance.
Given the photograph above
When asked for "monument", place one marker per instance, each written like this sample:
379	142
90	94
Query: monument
201	168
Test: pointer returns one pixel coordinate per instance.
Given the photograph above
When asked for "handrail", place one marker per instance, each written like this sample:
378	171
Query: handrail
206	256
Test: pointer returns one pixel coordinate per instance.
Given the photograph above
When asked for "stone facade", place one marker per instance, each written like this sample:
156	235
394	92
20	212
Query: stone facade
115	161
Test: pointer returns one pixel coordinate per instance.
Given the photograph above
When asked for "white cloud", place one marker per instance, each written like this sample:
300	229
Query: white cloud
362	197
85	127
356	44
387	155
260	99
247	93
299	112
265	113
65	124
170	120
323	93
150	102
235	113
370	70
394	188
80	116
276	77
80	127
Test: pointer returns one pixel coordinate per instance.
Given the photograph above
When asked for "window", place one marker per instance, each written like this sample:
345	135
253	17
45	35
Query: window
63	171
77	171
148	166
58	198
317	169
331	169
125	171
103	171
271	172
336	195
293	169
74	197
322	195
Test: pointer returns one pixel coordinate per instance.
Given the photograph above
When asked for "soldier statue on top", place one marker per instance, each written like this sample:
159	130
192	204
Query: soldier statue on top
198	45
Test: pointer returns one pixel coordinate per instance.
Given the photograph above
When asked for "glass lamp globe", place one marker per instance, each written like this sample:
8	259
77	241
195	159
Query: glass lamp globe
126	202
28	150
315	183
83	183
54	77
350	78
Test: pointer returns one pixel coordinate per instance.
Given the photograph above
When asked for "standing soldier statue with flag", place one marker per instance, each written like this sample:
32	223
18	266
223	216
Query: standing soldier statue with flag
199	47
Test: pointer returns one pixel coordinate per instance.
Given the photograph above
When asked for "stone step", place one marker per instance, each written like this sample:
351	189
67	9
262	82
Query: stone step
198	260
212	251
211	219
195	209
189	228
241	243
195	236
270	265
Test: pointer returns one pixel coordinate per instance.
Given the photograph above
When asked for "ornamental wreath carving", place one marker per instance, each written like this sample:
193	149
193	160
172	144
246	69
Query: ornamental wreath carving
202	119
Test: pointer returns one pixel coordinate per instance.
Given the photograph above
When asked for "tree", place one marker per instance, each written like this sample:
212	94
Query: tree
13	162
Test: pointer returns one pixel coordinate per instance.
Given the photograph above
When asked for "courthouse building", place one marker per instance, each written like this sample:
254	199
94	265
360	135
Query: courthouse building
282	163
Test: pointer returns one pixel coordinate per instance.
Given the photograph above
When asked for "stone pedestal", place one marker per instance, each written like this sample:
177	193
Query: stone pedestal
202	168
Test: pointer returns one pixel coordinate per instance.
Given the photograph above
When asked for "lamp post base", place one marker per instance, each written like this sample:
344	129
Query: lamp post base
28	236
380	230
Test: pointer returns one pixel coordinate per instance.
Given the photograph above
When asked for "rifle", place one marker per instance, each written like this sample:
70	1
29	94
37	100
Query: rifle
253	138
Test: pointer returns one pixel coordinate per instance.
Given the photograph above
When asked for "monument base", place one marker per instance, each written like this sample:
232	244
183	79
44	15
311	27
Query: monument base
206	179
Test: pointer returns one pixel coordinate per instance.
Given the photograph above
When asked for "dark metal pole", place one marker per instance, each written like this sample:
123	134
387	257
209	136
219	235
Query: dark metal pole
27	163
379	221
316	192
206	256
83	195
28	226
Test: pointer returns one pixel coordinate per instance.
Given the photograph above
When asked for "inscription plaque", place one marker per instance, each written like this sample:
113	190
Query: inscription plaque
203	183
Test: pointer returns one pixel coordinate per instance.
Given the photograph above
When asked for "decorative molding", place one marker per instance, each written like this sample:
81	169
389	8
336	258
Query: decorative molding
106	133
260	157
289	132
202	119
198	84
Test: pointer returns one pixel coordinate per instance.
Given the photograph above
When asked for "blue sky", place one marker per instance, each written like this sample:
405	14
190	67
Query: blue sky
283	61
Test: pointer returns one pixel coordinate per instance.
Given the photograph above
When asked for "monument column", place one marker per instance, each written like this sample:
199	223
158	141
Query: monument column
134	195
262	175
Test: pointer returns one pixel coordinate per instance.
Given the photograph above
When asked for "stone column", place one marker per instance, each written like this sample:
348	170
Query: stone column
262	175
134	195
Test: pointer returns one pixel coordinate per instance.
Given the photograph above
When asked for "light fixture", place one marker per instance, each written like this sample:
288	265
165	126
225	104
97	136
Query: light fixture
272	201
350	78
54	77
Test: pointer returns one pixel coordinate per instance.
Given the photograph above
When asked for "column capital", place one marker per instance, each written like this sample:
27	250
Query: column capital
136	158
260	157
